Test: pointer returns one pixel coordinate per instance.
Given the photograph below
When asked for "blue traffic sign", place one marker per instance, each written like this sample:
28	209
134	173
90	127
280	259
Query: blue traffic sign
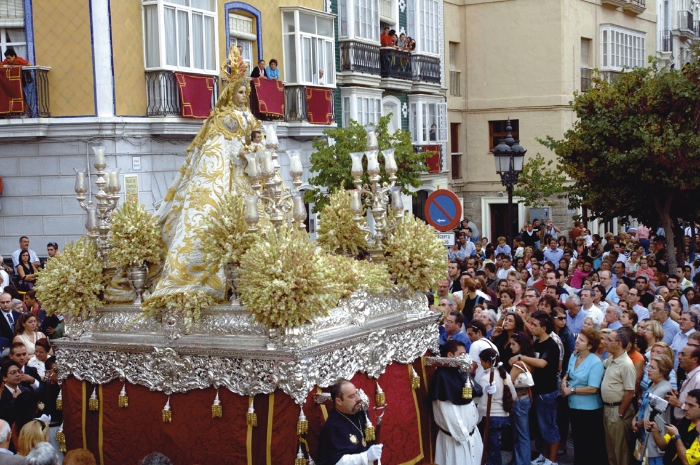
443	210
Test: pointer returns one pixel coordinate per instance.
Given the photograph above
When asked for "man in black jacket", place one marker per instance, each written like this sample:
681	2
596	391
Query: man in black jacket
17	403
30	377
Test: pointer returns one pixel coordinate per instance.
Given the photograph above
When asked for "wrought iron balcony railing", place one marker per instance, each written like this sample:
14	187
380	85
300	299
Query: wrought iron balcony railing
163	96
395	63
35	87
426	68
666	42
359	57
295	104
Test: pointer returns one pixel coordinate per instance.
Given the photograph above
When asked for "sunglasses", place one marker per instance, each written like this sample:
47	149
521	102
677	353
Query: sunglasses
560	318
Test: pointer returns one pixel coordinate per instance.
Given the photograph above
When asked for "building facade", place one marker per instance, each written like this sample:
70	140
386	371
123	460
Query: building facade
523	60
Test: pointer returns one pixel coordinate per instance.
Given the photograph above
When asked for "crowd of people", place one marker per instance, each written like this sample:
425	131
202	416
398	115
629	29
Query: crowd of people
389	38
592	336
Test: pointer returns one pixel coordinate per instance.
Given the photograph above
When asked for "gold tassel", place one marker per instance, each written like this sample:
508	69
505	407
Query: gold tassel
379	397
216	410
467	389
93	403
302	424
123	399
251	418
300	460
369	430
61	439
59	400
167	413
415	379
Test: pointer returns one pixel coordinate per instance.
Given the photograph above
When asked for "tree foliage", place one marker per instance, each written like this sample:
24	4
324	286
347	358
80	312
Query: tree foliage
331	164
539	183
635	149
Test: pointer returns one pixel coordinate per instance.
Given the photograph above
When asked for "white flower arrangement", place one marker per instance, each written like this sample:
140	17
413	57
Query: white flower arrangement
417	259
337	231
135	236
226	238
71	281
285	281
191	304
354	275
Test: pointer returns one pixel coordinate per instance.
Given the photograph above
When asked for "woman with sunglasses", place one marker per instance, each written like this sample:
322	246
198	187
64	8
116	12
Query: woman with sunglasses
521	344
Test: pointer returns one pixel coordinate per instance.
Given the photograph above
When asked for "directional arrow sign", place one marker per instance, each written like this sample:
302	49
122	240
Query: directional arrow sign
443	210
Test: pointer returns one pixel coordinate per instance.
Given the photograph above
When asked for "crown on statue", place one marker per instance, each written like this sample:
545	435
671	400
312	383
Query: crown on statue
234	68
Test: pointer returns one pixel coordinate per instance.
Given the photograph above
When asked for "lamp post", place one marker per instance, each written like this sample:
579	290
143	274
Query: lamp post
509	156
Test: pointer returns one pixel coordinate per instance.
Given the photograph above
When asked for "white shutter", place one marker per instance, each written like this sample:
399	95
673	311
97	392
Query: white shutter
442	122
11	13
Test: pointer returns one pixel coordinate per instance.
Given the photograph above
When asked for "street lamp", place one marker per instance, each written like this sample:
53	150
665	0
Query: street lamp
509	156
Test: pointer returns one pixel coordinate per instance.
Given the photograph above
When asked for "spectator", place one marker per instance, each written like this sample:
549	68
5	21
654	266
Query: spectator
24	245
385	39
4	276
26	332
8	320
612	317
689	361
43	454
662	313
452	329
521	346
32	433
502	394
17	403
7	457
477	335
11	59
27	272
401	42
574	315
681	440
48	397
30	377
686	325
79	457
259	71
587	307
272	72
42	350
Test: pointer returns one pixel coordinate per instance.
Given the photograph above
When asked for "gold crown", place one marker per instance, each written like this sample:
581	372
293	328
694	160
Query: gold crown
234	68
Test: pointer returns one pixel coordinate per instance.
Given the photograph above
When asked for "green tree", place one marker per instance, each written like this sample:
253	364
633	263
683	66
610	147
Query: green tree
331	164
635	148
539	183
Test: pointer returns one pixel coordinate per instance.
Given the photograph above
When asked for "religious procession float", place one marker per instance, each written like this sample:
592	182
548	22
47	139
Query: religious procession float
156	357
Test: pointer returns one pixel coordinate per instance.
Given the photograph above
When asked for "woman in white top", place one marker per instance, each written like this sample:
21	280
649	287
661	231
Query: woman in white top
26	333
42	350
502	395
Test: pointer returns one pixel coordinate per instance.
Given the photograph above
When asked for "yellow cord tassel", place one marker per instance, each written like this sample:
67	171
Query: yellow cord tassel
251	418
300	460
415	380
123	399
302	424
216	409
59	400
379	397
467	391
167	413
93	403
369	431
61	439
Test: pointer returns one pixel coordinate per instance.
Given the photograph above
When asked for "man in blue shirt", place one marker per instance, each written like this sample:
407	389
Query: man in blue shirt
574	316
452	329
553	253
662	314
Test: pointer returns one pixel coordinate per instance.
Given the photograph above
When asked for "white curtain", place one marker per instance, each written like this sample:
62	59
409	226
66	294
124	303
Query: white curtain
204	4
152	42
209	45
197	41
170	37
183	32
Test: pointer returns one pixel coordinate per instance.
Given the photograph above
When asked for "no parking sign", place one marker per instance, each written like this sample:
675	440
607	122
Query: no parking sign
443	210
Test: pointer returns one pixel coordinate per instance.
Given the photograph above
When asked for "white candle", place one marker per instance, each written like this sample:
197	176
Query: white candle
396	199
372	163
80	186
390	161
356	169
99	155
270	134
268	168
92	219
295	167
299	210
114	181
355	201
252	166
251	209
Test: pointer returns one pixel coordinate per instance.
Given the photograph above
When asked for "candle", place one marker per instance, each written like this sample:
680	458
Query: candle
372	143
356	169
295	167
251	210
299	210
270	134
396	199
390	161
107	185
372	163
99	155
355	201
92	219
114	181
80	186
252	166
267	168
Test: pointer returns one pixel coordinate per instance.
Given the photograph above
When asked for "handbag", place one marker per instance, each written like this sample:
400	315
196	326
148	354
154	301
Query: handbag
524	379
639	450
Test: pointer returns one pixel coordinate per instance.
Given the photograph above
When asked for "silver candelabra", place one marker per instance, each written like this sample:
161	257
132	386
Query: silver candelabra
108	187
268	186
376	196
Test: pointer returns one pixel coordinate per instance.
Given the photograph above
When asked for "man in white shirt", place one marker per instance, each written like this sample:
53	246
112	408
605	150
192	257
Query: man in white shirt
606	281
612	317
588	308
662	314
689	360
505	267
24	245
477	334
633	303
686	324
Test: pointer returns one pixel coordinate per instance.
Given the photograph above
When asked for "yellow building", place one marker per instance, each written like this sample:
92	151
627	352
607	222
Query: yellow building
523	60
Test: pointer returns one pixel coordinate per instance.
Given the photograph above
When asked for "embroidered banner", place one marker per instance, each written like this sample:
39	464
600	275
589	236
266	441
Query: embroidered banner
268	97
433	161
195	95
11	99
319	105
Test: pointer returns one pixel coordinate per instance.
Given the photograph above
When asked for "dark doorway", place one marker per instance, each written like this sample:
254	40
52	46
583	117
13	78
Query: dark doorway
419	204
499	221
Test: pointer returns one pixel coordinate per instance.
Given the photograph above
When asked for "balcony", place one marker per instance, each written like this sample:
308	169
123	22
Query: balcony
665	42
426	69
395	63
635	6
585	79
163	95
35	89
686	24
614	3
306	104
359	57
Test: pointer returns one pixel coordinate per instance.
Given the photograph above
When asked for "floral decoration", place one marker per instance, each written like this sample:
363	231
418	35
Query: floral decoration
417	259
337	231
135	236
71	281
226	237
285	281
354	275
191	304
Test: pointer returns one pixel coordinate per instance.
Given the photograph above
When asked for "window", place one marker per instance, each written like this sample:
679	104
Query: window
497	131
359	19
13	37
423	24
585	64
392	105
621	48
454	149
180	34
242	33
427	120
362	105
309	50
455	74
12	27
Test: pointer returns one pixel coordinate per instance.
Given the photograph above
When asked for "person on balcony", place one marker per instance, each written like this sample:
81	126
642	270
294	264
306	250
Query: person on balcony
319	79
272	72
385	38
11	59
401	41
259	71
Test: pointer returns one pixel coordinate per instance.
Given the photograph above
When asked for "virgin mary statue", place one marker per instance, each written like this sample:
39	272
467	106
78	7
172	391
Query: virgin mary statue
212	168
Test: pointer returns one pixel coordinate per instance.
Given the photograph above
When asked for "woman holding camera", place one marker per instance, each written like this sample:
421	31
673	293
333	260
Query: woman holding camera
660	367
